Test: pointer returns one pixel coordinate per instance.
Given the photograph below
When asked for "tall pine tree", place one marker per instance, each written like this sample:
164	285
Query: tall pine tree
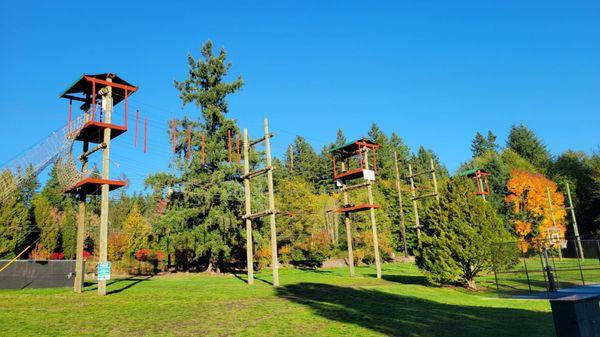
202	220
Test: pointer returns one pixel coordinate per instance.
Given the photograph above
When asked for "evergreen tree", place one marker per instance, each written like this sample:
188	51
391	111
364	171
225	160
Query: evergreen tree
307	164
136	231
340	138
527	144
68	232
457	236
202	220
47	219
14	220
482	145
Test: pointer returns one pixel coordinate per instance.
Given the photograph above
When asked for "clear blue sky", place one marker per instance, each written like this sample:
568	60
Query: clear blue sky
435	72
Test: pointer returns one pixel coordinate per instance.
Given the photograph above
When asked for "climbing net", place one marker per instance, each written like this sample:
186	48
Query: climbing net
55	148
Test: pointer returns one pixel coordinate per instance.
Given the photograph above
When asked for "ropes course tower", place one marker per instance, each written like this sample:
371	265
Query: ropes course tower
99	94
351	162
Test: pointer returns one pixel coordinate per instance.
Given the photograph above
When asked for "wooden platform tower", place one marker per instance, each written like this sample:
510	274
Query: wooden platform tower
99	94
351	163
480	177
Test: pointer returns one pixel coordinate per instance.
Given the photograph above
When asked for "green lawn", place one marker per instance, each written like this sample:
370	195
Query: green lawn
309	303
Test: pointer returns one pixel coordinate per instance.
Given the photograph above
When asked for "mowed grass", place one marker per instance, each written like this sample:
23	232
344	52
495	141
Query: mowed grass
308	303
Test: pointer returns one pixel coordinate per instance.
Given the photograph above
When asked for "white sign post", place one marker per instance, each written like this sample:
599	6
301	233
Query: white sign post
103	271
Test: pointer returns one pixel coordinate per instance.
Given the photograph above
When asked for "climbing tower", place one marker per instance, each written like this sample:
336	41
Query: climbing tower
480	177
98	94
351	163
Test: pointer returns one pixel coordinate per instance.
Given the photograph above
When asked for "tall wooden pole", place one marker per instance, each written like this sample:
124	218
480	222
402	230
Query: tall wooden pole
415	208
348	224
249	242
103	258
275	260
373	222
402	221
575	227
554	227
434	179
79	268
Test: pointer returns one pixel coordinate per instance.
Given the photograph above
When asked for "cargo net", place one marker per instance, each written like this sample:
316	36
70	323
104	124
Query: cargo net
55	148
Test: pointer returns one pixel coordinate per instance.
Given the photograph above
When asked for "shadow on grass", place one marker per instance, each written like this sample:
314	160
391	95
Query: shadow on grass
130	282
243	277
398	315
404	279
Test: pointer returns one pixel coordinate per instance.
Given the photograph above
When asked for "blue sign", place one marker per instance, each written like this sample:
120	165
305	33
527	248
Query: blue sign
103	271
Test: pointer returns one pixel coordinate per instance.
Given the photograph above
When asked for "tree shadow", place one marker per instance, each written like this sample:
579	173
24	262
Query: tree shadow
404	279
398	315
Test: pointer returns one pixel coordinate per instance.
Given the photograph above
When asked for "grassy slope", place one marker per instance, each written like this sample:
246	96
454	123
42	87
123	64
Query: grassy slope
323	303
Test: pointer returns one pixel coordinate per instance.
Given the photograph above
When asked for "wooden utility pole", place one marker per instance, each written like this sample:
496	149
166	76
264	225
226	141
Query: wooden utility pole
348	224
373	222
103	258
79	267
414	200
434	179
249	242
575	227
402	221
271	212
271	206
554	227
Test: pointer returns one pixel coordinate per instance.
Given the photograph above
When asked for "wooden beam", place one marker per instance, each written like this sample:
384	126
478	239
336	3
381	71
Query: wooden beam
259	214
354	187
257	173
262	139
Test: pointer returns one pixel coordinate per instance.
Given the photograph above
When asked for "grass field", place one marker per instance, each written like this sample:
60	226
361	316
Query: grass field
309	303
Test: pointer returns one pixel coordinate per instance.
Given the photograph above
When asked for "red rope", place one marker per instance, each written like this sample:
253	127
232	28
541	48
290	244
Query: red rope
137	121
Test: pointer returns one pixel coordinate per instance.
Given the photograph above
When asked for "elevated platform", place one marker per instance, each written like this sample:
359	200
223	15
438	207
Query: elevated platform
357	208
93	131
349	175
92	186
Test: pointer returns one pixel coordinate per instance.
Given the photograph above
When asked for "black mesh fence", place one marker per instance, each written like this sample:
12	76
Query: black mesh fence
22	274
539	265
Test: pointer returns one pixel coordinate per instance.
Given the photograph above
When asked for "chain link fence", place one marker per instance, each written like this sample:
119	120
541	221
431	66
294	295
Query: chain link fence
545	265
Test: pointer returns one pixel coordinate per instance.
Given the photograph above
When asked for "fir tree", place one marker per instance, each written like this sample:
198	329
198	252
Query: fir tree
527	144
457	236
202	220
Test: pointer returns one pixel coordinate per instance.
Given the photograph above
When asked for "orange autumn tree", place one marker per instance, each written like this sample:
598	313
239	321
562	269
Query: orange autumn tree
530	207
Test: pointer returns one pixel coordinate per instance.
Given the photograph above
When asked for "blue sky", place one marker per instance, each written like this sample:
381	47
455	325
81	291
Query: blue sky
435	72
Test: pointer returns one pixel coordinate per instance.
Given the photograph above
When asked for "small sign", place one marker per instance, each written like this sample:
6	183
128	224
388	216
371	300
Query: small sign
369	175
103	271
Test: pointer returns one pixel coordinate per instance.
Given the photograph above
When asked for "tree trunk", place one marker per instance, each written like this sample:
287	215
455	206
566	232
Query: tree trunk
471	283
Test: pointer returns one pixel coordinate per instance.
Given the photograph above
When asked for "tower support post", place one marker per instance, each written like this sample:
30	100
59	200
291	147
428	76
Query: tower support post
373	222
414	200
275	260
103	256
249	242
402	220
575	227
